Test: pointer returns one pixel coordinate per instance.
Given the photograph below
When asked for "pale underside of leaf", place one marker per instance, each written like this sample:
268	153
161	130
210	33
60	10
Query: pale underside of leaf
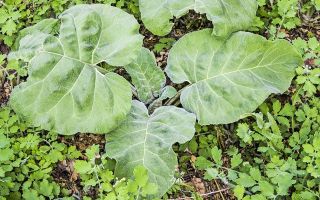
230	77
227	15
147	140
146	76
65	92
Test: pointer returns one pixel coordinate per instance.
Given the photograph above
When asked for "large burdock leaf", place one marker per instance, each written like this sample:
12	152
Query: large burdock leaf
230	77
227	15
31	39
65	91
147	77
147	140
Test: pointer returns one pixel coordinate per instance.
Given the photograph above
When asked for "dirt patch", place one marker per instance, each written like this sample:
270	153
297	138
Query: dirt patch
190	22
84	141
4	49
65	175
5	91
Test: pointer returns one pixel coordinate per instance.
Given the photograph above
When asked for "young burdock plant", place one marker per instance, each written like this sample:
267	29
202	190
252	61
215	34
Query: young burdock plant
94	172
229	73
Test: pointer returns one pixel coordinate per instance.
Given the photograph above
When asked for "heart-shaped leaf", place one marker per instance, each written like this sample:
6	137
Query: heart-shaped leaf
147	140
147	77
230	77
227	15
65	91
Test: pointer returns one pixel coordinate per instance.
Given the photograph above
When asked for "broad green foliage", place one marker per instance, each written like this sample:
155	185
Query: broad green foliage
229	77
71	88
279	151
95	173
26	161
146	140
285	16
18	14
30	160
49	26
146	76
32	38
65	91
279	175
227	15
277	17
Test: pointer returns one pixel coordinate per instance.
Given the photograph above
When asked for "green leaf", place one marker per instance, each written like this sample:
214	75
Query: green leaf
309	88
167	92
2	58
141	175
244	133
233	76
29	46
236	160
82	167
232	175
65	91
30	194
4	16
239	191
283	121
92	151
216	155
245	180
308	148
202	163
4	141
306	195
255	174
2	173
300	44
276	106
211	173
147	140
287	110
15	15
149	189
9	27
316	143
284	182
227	15
6	154
307	159
48	26
146	76
313	43
317	4
266	188
46	188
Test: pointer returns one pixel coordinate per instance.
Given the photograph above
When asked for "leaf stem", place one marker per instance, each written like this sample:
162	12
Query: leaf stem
100	69
138	195
174	100
134	91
